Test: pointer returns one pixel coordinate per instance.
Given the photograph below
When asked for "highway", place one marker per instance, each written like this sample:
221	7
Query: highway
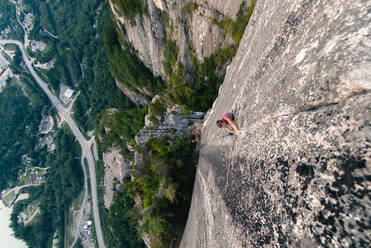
85	144
78	225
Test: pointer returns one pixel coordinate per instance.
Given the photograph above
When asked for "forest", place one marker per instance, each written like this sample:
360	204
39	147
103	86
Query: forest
7	11
168	162
64	181
21	105
164	183
125	66
80	63
81	57
8	20
123	227
18	124
117	128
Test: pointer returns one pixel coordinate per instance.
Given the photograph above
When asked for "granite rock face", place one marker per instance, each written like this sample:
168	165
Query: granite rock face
298	175
171	124
115	170
135	98
181	125
147	32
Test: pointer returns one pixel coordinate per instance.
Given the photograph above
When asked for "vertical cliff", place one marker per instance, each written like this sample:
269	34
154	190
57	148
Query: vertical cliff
175	52
298	175
190	24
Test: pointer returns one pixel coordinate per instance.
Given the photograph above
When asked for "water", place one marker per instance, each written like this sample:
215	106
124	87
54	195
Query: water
6	233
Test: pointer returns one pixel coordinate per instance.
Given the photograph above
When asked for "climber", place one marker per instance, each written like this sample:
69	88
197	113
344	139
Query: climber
227	123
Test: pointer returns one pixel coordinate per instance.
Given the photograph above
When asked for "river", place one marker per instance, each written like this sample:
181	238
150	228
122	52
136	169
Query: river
6	233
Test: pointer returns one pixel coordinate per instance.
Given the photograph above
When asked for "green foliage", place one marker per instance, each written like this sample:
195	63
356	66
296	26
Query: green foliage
7	10
8	20
19	120
170	192
120	219
118	128
153	119
11	46
170	56
130	7
185	110
46	55
79	54
125	65
64	182
46	17
13	106
157	108
200	94
20	116
78	244
165	18
168	163
235	29
189	8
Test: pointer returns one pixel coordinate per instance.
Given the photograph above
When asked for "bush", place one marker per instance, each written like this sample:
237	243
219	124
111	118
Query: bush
157	108
125	65
120	219
130	7
171	56
117	128
185	110
153	119
189	8
167	164
235	29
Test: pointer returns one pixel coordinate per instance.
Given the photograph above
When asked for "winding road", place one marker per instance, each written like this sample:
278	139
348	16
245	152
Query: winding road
85	144
18	188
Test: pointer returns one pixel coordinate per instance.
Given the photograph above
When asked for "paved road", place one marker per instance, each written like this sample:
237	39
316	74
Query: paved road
18	188
85	144
78	225
32	217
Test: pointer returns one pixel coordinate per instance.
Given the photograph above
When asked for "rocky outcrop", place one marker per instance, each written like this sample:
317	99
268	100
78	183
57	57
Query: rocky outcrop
298	175
135	98
115	170
204	35
145	35
227	8
170	124
179	21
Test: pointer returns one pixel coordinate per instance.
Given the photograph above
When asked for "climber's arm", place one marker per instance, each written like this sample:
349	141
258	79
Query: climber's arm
230	122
